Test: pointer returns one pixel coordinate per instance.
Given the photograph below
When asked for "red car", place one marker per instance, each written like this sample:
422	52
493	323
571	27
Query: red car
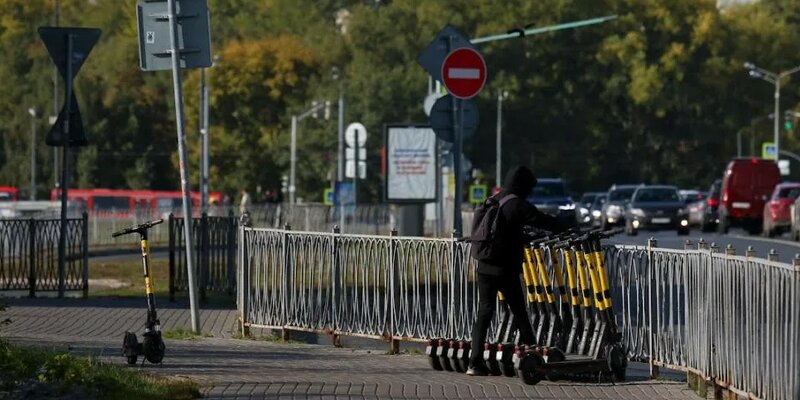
777	212
746	186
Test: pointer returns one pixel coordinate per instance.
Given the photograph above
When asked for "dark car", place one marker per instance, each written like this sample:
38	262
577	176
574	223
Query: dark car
613	213
656	208
710	208
596	210
585	206
550	197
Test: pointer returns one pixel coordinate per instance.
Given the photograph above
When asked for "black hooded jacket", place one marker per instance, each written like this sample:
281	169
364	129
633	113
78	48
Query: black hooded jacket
514	215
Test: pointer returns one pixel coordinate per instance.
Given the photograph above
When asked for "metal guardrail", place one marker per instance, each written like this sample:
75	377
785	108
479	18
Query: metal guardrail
29	255
729	319
733	320
214	251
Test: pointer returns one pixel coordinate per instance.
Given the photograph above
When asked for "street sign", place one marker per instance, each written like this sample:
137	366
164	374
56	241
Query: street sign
430	100
353	130
769	151
447	40
783	166
350	169
478	193
344	194
60	41
350	154
464	73
441	118
327	197
194	37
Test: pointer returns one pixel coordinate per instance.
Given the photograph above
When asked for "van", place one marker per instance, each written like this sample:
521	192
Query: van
746	186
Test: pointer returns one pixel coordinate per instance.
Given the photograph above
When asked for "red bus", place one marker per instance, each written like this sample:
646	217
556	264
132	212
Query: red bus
9	193
123	202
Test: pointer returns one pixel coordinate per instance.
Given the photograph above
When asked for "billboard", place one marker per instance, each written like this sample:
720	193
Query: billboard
411	164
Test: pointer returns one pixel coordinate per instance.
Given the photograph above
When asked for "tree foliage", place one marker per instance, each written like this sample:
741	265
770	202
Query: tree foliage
657	95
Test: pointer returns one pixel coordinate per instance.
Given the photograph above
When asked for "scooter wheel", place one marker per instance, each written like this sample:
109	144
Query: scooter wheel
132	359
494	367
433	361
528	368
153	348
554	355
617	362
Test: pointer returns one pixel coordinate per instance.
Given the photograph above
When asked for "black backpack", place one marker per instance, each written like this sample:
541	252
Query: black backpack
484	228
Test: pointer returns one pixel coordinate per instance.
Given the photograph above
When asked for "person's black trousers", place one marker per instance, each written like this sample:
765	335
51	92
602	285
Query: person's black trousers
488	286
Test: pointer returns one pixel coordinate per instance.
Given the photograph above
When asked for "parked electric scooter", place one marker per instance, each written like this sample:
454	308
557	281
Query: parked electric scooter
559	358
152	345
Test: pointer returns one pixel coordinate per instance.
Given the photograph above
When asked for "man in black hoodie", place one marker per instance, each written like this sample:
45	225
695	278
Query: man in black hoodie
505	275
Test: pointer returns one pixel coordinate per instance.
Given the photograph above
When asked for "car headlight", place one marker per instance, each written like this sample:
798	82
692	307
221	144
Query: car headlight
596	213
570	206
637	212
614	211
584	211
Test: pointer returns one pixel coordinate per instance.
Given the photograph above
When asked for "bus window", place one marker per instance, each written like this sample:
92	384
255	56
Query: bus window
108	203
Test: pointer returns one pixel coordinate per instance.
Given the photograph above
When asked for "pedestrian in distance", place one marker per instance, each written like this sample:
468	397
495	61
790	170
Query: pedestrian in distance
498	244
244	205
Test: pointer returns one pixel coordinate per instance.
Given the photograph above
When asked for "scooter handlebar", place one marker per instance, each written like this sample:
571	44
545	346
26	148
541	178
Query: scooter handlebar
137	228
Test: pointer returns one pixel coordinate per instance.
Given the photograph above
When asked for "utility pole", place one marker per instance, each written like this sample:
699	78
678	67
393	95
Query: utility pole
32	112
55	98
203	123
501	95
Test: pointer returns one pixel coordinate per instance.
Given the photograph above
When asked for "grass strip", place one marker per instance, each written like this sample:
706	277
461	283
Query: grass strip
35	373
184	334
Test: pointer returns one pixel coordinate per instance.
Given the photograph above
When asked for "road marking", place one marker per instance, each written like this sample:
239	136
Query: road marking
464	73
761	239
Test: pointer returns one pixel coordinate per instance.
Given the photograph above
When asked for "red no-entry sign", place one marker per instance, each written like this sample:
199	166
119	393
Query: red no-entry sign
464	73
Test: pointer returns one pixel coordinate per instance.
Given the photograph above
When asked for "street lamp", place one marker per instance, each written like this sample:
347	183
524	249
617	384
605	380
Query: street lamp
775	79
32	112
315	107
501	95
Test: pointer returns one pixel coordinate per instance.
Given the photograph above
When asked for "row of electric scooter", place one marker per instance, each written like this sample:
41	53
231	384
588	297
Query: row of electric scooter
572	317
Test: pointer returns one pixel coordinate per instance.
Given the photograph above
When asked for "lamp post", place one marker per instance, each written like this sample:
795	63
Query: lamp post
501	95
32	112
315	106
775	79
337	76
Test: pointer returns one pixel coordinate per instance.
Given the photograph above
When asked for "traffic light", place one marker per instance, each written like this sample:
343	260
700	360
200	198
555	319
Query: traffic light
788	118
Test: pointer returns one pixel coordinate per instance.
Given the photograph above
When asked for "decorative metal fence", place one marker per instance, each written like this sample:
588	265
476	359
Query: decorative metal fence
373	286
215	254
29	256
730	319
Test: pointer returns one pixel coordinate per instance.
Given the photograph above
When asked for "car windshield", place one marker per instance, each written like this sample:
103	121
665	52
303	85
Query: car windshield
587	198
599	201
621	194
548	189
789	192
646	195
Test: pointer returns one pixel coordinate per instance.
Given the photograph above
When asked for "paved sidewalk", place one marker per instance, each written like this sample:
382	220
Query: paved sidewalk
233	369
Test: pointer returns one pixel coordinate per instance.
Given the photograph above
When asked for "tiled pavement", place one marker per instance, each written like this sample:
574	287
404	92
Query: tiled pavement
233	369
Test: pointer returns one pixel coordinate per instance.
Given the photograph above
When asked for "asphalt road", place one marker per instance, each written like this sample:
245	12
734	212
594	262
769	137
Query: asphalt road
741	240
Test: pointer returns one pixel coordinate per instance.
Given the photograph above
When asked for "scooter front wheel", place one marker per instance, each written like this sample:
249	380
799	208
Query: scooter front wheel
132	359
529	367
154	348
